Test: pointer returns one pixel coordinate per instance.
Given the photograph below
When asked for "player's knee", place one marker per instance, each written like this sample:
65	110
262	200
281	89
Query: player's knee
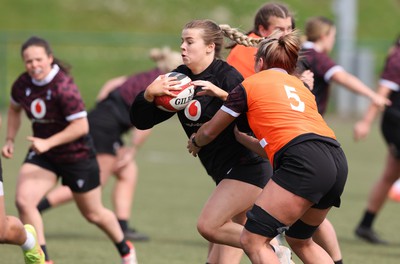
246	241
23	204
92	217
205	230
251	243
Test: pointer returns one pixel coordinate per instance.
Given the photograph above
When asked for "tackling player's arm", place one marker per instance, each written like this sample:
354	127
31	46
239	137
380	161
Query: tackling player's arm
232	108
209	131
250	142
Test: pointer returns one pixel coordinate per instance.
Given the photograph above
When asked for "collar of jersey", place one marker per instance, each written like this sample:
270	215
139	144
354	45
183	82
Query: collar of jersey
55	69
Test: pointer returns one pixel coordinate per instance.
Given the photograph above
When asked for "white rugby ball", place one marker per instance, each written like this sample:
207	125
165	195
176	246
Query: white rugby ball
183	96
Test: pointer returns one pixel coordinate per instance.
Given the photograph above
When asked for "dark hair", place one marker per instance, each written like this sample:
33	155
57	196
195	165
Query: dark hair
212	33
263	15
279	51
40	42
270	10
396	45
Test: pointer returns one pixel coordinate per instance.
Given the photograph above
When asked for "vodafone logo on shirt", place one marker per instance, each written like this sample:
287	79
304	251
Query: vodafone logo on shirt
38	108
193	110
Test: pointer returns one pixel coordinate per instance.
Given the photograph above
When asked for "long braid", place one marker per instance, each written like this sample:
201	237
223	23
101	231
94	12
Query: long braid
239	37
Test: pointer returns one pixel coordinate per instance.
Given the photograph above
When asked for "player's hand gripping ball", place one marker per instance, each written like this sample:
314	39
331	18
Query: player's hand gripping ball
183	96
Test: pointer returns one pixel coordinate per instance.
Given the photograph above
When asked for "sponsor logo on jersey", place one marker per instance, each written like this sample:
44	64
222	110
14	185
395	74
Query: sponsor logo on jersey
193	110
38	108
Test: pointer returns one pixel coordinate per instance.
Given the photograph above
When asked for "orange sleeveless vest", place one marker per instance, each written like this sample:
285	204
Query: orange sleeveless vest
281	108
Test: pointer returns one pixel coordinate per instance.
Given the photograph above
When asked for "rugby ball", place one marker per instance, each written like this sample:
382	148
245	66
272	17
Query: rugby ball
183	96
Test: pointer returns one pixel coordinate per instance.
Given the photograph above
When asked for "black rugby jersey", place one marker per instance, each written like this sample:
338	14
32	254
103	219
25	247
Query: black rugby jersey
224	152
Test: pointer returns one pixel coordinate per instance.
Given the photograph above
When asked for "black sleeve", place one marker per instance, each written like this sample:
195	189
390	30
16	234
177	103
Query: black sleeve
145	115
302	65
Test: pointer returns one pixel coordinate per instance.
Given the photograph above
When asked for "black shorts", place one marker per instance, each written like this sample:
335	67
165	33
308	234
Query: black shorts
314	170
390	127
1	172
80	177
105	130
257	173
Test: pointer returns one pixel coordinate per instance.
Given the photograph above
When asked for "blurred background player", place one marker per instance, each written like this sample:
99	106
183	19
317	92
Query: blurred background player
60	145
108	122
270	17
389	87
320	33
13	232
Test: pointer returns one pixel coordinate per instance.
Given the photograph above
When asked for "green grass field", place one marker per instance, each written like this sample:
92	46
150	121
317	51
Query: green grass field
103	39
172	189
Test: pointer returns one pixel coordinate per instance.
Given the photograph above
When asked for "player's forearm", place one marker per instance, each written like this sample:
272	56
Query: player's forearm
13	122
76	129
353	84
373	109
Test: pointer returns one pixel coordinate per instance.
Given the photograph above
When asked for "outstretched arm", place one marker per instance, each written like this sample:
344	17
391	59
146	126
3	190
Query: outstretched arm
362	127
354	84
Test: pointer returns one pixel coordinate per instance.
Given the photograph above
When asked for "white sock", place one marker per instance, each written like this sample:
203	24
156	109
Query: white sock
30	242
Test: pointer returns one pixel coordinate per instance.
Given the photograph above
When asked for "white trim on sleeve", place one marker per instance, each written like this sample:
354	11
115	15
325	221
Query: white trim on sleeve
328	75
76	116
389	84
229	111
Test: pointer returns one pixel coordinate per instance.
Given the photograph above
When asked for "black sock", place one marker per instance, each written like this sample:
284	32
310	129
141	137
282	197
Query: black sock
339	262
123	224
123	248
368	219
46	256
43	205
